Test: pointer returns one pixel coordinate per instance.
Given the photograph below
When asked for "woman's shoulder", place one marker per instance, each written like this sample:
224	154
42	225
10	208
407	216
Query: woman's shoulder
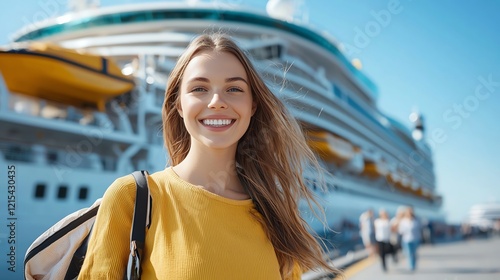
159	177
127	183
121	190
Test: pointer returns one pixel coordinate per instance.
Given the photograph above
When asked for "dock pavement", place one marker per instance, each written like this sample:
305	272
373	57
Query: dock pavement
477	259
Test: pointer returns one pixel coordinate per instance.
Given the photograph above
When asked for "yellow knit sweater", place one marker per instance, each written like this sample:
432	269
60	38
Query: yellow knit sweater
194	234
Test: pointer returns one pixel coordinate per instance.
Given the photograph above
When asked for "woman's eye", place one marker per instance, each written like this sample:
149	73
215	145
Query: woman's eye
198	89
235	89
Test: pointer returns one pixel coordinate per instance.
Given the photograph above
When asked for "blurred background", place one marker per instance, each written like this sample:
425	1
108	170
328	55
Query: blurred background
427	70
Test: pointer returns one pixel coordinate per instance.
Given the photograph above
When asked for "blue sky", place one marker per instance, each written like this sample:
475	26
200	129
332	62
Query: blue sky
441	57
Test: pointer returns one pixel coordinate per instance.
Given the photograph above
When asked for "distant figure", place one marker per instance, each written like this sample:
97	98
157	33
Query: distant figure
382	236
410	230
427	231
367	231
496	227
395	236
466	230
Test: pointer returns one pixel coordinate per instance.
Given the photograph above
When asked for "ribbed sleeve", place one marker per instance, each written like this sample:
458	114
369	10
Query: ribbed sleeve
108	249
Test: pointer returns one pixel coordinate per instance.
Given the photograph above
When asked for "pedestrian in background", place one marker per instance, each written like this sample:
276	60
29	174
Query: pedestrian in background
410	230
367	231
395	235
382	236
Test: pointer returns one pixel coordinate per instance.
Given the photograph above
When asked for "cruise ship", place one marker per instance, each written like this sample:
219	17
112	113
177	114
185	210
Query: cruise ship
81	98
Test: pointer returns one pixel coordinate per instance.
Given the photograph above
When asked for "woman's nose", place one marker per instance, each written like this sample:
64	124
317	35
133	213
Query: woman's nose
217	102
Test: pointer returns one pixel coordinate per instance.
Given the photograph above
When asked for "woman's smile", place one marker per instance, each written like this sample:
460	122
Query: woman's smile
215	124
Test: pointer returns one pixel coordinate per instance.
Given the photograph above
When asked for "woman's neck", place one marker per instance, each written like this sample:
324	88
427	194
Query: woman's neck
213	170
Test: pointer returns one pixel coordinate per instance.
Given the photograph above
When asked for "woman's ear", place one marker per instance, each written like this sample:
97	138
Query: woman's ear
254	107
178	107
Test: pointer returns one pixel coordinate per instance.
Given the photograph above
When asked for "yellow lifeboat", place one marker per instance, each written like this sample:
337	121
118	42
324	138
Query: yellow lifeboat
419	192
426	193
376	168
406	182
394	178
415	184
402	182
330	147
357	162
54	73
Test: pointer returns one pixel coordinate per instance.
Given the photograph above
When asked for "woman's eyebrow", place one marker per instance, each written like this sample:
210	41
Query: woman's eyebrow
228	80
199	79
233	79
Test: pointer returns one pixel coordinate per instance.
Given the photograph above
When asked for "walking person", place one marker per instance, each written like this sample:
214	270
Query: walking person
395	235
227	207
367	231
410	230
382	236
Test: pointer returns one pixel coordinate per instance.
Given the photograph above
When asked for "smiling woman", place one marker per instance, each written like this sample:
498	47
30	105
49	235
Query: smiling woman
227	208
215	101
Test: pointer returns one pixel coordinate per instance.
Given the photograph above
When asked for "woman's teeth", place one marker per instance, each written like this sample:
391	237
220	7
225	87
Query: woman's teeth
217	122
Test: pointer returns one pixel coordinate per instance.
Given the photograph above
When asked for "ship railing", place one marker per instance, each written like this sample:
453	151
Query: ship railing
123	121
45	155
277	76
21	104
150	73
16	153
313	75
4	95
154	97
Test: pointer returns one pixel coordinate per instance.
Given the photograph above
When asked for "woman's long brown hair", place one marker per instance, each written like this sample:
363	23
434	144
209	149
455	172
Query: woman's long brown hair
271	155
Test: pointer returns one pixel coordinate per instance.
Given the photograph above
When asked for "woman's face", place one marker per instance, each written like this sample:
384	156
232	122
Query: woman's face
215	100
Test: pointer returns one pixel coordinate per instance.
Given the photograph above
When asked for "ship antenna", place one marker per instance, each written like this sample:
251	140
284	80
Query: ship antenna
418	121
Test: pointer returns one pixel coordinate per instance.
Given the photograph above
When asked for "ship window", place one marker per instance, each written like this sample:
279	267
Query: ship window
267	52
40	191
83	193
133	17
62	192
337	92
52	157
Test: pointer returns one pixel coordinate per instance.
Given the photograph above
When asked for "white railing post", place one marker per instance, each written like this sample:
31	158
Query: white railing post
4	95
